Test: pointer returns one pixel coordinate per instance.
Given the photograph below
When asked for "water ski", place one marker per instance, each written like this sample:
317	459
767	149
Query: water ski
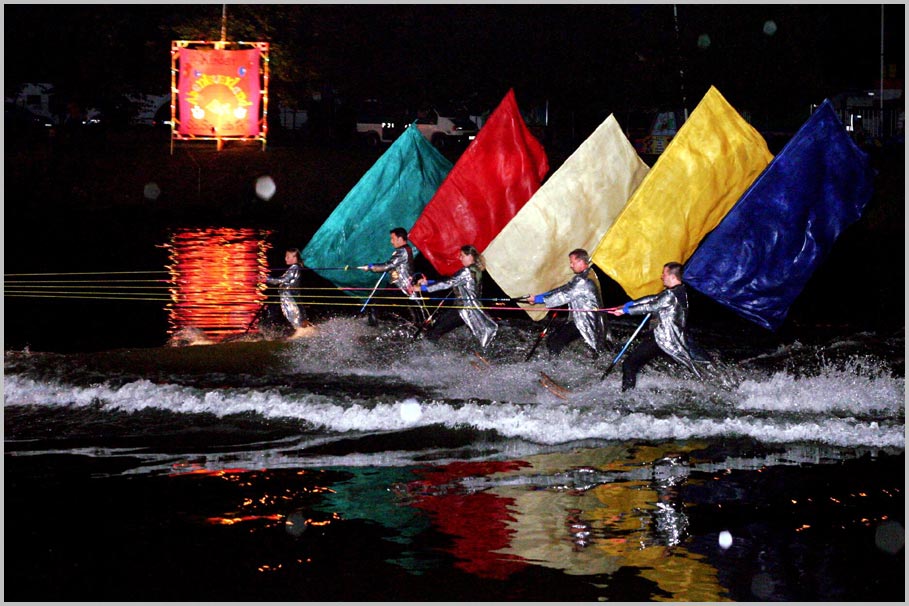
482	364
308	329
554	388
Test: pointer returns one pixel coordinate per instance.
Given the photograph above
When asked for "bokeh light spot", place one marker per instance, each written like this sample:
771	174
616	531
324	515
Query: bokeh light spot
725	539
151	191
890	537
265	187
763	586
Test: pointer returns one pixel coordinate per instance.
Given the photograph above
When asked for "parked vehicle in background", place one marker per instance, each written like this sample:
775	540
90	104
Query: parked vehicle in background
19	121
443	128
292	118
143	108
380	123
38	99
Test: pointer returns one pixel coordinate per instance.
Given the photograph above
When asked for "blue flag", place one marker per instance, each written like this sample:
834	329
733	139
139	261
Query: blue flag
392	193
759	258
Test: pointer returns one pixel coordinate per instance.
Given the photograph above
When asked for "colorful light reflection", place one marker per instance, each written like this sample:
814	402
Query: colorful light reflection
217	280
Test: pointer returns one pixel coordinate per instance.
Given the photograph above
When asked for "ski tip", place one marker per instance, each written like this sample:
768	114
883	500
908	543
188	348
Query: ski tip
553	386
483	360
552	389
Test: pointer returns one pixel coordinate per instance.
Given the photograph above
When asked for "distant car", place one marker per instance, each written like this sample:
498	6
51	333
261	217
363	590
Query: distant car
378	123
443	128
162	117
19	120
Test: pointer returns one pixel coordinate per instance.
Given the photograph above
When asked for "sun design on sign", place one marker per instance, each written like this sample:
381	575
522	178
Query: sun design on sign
216	97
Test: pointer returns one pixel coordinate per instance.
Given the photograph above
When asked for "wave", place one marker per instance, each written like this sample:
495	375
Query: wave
352	378
835	409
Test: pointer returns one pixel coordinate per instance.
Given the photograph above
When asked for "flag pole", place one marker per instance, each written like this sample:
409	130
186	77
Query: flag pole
220	144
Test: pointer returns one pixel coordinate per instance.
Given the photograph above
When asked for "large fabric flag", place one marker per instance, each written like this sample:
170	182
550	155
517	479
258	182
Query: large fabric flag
573	209
713	158
494	177
758	260
392	193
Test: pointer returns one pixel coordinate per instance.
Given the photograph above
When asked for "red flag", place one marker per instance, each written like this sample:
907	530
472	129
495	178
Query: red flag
495	176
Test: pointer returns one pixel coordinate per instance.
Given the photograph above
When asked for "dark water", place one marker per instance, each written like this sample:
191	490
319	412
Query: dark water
362	464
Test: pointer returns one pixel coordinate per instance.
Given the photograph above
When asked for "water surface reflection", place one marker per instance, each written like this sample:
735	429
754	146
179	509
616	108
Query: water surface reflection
217	281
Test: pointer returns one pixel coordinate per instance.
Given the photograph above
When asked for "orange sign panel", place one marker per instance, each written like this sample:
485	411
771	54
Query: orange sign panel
219	92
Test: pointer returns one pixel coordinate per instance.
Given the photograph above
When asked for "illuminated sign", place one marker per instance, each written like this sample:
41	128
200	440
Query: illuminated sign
219	93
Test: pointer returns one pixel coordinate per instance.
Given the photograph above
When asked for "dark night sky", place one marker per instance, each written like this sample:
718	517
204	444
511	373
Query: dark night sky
584	58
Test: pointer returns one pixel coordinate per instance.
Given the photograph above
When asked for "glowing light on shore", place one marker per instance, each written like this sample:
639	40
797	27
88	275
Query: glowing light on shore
238	519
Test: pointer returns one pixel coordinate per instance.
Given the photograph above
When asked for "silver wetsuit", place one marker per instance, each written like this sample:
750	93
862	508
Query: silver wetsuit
466	286
289	284
399	268
582	294
400	271
671	310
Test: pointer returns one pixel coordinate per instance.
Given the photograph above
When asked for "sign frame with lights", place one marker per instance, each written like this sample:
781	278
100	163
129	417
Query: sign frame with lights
189	89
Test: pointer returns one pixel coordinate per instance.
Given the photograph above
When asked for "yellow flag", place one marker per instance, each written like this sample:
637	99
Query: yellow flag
572	209
709	164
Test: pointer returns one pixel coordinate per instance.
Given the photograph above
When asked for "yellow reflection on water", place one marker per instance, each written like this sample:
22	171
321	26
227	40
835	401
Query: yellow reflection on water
631	523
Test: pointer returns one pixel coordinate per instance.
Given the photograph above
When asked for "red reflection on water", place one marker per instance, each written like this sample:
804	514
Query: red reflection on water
217	280
477	523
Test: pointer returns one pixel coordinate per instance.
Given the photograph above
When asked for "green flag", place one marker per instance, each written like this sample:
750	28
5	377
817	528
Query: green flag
392	193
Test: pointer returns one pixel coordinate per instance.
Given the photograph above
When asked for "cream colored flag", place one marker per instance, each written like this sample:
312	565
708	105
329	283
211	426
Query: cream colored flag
572	209
709	164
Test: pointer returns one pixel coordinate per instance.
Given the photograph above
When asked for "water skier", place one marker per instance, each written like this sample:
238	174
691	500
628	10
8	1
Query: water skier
670	336
289	284
582	294
467	286
401	270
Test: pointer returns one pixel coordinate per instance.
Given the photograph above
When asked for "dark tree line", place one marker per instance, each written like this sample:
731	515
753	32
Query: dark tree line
592	59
